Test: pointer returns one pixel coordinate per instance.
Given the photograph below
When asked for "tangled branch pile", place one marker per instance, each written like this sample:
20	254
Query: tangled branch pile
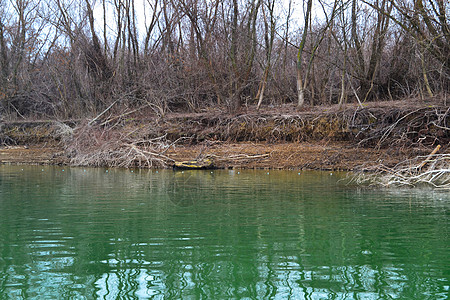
432	170
402	126
379	126
99	146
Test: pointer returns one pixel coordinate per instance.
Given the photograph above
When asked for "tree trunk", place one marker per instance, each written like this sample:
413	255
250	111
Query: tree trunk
263	87
3	57
300	83
300	89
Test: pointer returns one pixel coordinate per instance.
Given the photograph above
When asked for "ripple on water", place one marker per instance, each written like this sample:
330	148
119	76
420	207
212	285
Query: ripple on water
84	233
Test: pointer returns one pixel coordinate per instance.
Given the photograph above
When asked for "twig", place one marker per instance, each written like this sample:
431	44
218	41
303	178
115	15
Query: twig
149	152
176	141
102	113
390	128
438	126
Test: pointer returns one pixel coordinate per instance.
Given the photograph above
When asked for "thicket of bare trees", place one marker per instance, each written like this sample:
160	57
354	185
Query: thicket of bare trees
73	58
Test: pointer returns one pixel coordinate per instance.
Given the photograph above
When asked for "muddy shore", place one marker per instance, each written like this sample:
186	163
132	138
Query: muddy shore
283	138
327	156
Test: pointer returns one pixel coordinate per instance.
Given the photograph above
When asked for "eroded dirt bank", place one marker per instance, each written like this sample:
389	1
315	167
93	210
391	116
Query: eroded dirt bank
327	156
325	138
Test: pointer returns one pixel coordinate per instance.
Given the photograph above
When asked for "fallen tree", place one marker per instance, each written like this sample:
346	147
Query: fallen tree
432	170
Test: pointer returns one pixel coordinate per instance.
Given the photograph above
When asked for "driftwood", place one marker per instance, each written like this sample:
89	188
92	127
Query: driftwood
203	164
240	157
430	157
432	170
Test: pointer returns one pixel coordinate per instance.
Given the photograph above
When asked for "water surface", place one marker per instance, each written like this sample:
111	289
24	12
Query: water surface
74	233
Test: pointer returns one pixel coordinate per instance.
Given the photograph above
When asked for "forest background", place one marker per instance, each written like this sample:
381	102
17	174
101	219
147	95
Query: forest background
122	82
60	59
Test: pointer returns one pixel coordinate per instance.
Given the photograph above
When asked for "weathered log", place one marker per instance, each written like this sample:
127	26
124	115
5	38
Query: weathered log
194	165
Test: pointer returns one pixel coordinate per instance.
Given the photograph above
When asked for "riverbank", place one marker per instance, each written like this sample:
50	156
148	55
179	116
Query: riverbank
282	138
327	156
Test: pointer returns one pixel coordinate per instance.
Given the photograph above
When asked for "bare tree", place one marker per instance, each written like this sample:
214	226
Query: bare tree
3	54
243	56
366	72
96	59
58	59
155	14
269	36
300	81
426	21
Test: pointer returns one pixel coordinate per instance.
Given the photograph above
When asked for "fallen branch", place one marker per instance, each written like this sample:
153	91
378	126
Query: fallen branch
390	128
412	173
240	156
430	156
102	113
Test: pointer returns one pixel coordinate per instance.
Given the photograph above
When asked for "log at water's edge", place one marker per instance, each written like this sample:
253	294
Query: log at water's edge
205	164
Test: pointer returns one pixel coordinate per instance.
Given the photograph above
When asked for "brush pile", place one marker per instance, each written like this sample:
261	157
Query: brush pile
93	145
371	127
432	170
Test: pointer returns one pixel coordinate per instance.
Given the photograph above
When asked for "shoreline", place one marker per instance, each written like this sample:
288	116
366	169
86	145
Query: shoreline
245	155
356	138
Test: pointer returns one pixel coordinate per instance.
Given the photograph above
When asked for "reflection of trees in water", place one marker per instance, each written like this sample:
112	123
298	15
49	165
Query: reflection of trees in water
274	276
185	187
220	235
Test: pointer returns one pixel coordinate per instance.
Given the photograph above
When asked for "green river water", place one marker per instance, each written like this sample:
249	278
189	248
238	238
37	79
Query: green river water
74	233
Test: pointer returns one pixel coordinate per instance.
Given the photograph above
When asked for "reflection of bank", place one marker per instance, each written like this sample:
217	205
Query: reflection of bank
187	186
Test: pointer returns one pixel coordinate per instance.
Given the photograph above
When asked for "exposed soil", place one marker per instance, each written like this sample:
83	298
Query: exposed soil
326	138
324	156
36	154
